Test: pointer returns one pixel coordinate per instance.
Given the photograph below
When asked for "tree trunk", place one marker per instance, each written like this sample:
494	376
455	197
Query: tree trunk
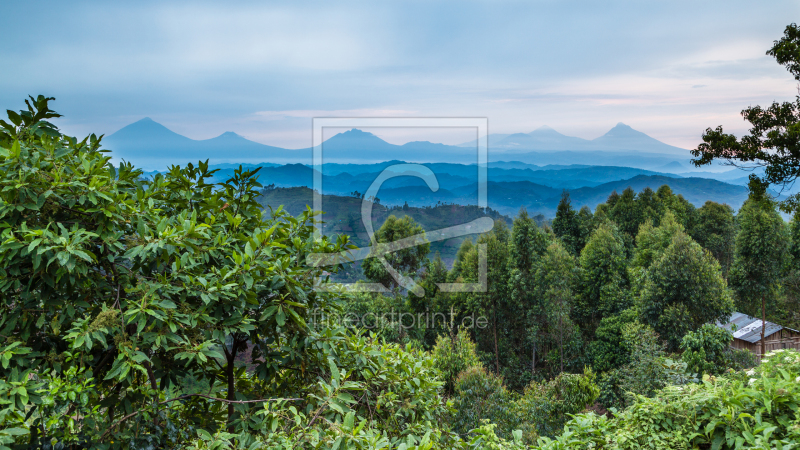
230	357
763	326
561	341
496	349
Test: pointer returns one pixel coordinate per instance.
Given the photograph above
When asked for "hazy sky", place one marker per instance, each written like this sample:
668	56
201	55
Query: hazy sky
263	69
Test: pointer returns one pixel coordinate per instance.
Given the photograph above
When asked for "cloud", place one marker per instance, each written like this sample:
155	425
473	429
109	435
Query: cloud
263	69
310	114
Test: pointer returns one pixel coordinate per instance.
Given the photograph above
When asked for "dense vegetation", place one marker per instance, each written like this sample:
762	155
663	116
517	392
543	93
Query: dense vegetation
128	302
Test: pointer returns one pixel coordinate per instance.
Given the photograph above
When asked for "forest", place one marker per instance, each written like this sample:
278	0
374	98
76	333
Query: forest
175	312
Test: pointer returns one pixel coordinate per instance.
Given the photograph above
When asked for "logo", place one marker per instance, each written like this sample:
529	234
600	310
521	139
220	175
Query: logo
380	250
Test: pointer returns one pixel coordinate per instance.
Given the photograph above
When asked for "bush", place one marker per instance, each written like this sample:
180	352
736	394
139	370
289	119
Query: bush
480	396
707	349
547	406
758	409
608	351
648	371
453	357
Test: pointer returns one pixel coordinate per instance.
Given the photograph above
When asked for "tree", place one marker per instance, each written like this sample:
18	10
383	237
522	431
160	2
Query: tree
790	308
132	284
453	355
683	210
556	279
603	278
407	261
774	139
607	350
585	228
528	243
794	230
682	290
566	226
494	301
707	350
626	215
649	206
652	241
715	230
463	250
761	251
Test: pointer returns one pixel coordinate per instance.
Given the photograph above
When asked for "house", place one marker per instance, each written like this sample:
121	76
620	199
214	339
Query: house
746	332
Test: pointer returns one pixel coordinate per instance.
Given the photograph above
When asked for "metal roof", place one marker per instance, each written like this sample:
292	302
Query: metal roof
749	328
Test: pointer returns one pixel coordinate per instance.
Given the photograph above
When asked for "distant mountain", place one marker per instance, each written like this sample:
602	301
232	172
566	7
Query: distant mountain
621	138
451	177
544	138
696	190
640	160
150	145
508	197
673	167
494	140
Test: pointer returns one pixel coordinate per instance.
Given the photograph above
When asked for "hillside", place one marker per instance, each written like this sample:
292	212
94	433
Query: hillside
342	215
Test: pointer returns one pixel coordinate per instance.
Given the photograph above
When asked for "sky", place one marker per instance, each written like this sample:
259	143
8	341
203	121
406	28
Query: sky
264	69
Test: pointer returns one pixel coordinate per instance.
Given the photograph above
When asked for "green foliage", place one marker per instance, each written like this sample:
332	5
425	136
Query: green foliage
757	410
542	409
774	139
707	350
453	356
479	396
645	373
682	290
761	251
608	350
585	220
556	283
652	241
650	206
550	404
567	226
407	261
715	230
794	233
626	215
604	278
684	211
494	303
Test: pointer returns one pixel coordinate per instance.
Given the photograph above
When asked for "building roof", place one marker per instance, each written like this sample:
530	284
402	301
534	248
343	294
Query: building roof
749	328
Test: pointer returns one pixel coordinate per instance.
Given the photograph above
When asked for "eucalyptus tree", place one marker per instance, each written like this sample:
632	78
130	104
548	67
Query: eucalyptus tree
556	285
604	279
715	230
566	225
528	243
683	289
761	251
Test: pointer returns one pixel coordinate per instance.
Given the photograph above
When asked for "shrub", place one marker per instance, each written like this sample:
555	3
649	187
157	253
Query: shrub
453	357
757	409
479	396
608	350
707	349
547	406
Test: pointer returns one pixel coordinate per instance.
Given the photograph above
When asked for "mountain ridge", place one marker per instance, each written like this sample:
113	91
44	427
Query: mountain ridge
151	145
